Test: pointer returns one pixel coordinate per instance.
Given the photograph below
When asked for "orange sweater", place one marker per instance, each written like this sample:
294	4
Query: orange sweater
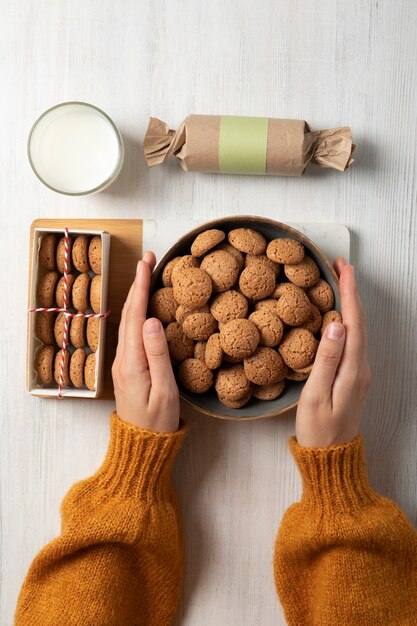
344	555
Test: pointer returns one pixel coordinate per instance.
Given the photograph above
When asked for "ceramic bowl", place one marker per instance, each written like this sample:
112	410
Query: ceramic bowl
208	403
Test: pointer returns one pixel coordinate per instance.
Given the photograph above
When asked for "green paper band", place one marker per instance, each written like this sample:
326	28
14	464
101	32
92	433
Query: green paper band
242	144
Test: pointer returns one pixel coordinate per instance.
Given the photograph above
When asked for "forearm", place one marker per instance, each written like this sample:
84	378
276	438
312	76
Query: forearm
118	560
344	554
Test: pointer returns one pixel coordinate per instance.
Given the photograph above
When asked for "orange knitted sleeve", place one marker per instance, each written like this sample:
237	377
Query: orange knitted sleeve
118	560
344	554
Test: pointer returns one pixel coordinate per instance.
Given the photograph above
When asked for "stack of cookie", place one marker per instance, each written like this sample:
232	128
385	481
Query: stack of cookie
83	296
243	314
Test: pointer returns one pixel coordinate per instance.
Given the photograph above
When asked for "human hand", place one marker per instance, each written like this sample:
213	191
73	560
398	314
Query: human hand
331	404
144	384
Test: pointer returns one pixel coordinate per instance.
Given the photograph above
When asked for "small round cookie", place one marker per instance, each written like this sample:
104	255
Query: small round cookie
247	240
184	262
329	318
206	241
269	392
264	366
232	383
257	281
195	376
251	259
46	290
93	329
95	254
304	274
44	327
322	296
199	326
182	311
167	271
163	305
59	329
59	293
179	345
192	286
47	251
285	251
80	292
294	308
65	370
222	268
95	294
77	332
44	365
269	326
239	338
236	404
314	321
229	305
213	352
80	253
90	371
284	289
76	367
60	254
298	348
236	254
299	375
200	350
269	304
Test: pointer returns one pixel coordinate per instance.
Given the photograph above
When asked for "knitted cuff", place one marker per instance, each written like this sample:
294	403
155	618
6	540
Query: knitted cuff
138	461
334	478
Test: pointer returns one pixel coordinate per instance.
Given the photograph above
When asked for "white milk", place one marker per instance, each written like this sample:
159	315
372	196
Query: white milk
74	148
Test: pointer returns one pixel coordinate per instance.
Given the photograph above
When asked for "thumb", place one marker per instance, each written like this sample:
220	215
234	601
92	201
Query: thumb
327	360
156	348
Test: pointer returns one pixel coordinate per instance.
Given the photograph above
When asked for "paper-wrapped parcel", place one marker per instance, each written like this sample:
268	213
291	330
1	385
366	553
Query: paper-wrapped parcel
247	145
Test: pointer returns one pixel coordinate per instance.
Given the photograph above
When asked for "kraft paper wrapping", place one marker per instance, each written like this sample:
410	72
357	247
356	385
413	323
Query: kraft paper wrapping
247	145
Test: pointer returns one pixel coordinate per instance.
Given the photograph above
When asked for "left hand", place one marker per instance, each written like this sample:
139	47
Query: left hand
144	383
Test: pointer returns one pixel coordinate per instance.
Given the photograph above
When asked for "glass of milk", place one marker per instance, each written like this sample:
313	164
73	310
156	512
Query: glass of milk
74	148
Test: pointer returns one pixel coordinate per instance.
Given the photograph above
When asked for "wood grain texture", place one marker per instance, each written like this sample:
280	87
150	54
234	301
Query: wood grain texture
331	63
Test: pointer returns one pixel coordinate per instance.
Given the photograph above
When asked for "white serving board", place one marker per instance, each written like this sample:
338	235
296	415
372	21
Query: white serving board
332	239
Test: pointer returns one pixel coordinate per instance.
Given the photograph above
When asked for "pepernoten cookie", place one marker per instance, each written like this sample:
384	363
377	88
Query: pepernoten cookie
180	346
183	310
200	350
300	374
239	338
59	293
229	305
76	367
95	294
257	281
59	329
247	240
231	383
298	348
47	251
183	263
213	354
80	292
44	327
192	286
314	320
206	240
329	318
222	268
322	296
80	253
285	251
93	326
163	305
195	376
167	271
269	392
269	326
262	259
95	254
65	369
264	366
60	254
199	326
46	290
90	371
236	254
293	308
44	365
304	274
77	331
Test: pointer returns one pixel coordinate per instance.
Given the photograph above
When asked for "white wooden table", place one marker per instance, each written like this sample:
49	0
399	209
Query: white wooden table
333	62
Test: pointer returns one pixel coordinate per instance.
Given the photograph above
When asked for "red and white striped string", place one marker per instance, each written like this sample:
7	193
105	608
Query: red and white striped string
67	315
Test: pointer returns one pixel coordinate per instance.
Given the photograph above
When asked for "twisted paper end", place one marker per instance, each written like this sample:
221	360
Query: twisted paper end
333	148
161	141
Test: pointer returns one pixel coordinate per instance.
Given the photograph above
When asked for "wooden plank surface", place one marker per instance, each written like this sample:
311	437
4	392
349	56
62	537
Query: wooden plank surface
331	63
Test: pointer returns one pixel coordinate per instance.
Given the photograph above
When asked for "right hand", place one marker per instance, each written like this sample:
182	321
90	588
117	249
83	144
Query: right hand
144	383
331	404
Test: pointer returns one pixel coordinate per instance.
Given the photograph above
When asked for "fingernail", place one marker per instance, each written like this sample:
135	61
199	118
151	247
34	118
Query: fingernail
152	327
335	331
